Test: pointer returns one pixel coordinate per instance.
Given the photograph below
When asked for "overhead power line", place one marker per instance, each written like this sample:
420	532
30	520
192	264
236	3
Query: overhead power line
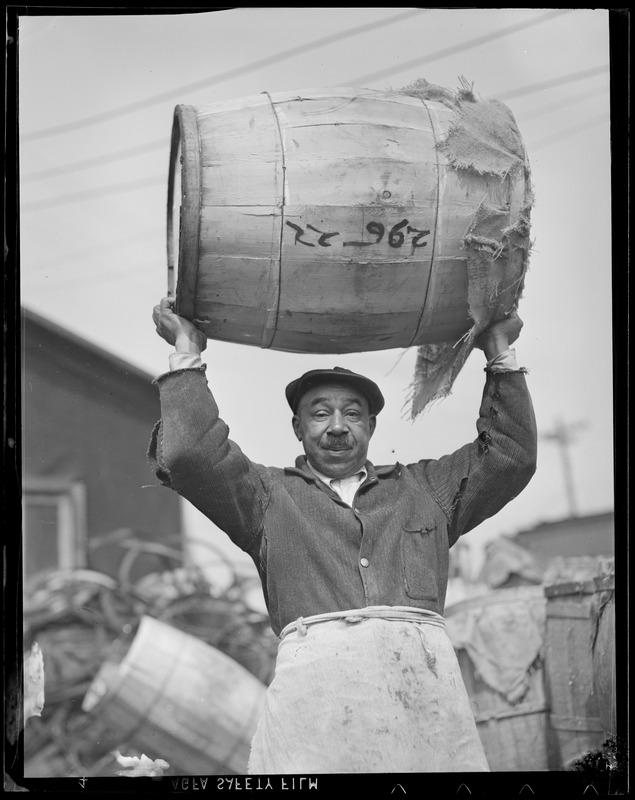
97	161
130	152
459	48
84	253
138	149
579	127
222	76
146	182
569	100
90	194
536	87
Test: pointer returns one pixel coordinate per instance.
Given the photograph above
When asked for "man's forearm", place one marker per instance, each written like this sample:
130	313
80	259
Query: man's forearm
493	343
187	344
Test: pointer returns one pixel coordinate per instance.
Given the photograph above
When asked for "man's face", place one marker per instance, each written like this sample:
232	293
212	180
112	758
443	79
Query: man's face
334	424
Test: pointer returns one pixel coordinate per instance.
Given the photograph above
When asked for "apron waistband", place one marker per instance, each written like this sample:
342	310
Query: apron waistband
353	616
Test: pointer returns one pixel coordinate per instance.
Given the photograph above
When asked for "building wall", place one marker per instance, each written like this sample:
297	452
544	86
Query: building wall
87	419
579	536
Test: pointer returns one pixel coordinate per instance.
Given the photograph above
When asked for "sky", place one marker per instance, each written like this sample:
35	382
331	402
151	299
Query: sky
96	99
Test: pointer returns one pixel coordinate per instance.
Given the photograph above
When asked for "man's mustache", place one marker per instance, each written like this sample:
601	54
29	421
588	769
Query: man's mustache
337	441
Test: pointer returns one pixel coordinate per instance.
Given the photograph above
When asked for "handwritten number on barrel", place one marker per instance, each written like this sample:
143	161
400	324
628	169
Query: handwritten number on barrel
299	231
376	228
421	234
396	237
323	237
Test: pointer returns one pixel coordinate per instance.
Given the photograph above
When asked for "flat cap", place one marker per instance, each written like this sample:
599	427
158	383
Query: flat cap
315	377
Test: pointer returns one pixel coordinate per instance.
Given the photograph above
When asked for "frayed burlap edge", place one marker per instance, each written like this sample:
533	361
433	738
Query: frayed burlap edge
482	140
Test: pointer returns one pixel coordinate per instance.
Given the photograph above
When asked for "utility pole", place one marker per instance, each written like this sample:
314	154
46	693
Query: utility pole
564	435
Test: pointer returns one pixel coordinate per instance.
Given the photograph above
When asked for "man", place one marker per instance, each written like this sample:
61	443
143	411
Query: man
353	558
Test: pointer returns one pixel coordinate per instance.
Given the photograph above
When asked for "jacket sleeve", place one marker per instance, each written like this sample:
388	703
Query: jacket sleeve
191	452
475	482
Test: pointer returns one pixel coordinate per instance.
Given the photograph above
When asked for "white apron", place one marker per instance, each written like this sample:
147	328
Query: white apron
377	689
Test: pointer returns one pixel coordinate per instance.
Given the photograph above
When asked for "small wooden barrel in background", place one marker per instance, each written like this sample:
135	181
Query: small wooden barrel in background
174	697
327	221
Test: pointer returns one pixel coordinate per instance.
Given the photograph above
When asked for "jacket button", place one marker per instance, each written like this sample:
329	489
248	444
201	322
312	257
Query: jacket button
364	562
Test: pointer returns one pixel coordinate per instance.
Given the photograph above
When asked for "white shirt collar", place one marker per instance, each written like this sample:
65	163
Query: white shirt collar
358	477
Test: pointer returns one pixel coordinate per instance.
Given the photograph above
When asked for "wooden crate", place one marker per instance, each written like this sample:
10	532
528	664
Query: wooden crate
575	710
604	652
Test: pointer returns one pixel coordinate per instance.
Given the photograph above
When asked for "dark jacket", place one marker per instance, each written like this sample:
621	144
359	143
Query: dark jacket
313	552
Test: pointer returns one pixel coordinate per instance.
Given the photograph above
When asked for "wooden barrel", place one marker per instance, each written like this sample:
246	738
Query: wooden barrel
575	708
341	220
513	727
174	697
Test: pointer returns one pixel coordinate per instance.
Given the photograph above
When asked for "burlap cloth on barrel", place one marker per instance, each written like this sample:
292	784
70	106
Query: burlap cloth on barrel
483	144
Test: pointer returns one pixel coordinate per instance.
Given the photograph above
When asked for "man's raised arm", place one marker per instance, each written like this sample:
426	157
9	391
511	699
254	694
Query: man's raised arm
190	449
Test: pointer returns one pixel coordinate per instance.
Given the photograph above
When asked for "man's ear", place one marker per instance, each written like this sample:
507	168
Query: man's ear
372	422
295	421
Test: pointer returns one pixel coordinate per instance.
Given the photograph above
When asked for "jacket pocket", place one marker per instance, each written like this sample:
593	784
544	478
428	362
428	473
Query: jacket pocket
419	560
